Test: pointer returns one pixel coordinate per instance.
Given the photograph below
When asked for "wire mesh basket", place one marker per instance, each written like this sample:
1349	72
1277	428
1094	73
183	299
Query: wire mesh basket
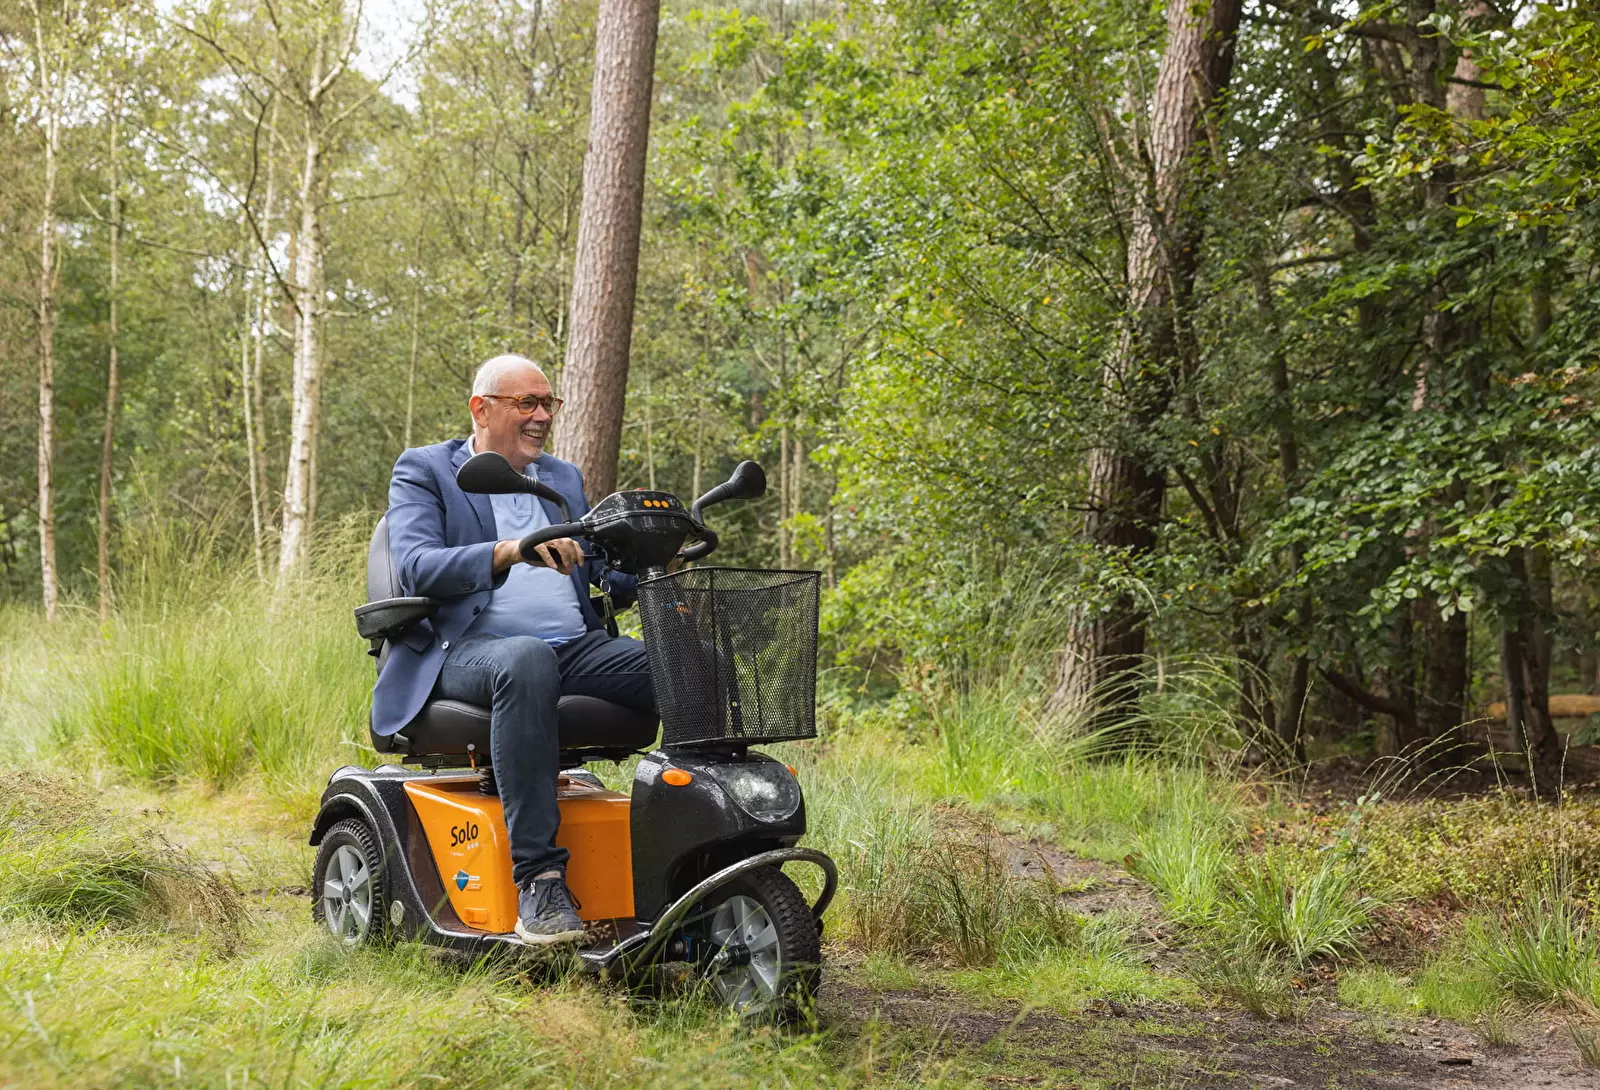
733	654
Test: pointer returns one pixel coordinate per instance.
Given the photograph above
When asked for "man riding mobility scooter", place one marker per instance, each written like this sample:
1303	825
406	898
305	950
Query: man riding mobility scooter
687	869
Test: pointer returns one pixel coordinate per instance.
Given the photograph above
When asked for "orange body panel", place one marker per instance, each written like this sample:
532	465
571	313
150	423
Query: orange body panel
467	833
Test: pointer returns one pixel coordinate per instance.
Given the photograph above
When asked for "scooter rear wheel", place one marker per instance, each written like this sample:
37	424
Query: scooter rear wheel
349	886
766	950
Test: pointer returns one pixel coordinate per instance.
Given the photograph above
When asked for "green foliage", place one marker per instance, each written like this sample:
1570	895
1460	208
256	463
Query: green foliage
1477	852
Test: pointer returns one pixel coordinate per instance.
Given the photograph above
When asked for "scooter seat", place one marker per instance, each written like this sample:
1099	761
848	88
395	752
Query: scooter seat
445	728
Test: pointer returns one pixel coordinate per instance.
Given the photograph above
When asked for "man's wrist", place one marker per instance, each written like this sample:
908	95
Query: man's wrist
506	553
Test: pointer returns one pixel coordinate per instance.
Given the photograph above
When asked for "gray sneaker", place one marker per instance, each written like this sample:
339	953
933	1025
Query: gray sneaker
547	913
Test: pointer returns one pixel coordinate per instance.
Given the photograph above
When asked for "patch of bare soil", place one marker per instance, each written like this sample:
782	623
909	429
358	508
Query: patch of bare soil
1087	885
1116	1045
1113	1044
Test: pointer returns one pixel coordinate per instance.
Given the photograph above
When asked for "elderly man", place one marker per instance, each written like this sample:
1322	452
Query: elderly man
512	636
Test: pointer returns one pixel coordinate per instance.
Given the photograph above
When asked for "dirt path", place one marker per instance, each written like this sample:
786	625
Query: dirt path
1114	1045
1175	1047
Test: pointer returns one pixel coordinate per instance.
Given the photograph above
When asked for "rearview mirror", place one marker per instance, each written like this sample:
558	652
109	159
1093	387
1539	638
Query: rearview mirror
490	473
746	483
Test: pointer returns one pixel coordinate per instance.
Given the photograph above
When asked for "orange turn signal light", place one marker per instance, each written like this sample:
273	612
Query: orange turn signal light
792	772
677	777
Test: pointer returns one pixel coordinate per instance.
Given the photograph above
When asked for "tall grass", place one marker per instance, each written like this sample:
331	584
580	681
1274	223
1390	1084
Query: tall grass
204	672
1291	903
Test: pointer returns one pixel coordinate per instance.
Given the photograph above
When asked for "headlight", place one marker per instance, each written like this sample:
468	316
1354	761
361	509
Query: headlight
766	789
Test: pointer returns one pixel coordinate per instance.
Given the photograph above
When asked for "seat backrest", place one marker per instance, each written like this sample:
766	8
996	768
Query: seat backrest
382	579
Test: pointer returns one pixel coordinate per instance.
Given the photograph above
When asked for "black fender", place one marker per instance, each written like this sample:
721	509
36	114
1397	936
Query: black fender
686	832
378	797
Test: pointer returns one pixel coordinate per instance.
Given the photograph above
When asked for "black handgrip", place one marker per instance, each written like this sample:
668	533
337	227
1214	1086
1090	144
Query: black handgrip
549	533
708	541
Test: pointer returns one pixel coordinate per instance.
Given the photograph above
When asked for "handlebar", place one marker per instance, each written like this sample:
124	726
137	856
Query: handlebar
561	529
707	542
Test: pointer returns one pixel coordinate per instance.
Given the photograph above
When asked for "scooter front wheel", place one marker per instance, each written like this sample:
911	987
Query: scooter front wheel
764	945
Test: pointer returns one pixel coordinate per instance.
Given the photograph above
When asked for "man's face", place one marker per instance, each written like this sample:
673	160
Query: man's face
501	426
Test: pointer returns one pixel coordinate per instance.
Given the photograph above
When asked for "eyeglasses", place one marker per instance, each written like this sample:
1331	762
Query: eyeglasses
528	402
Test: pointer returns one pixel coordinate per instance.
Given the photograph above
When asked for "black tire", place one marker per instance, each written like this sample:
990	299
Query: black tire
780	970
340	909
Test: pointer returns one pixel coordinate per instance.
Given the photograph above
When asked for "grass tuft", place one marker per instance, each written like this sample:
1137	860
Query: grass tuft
66	860
1544	949
1302	908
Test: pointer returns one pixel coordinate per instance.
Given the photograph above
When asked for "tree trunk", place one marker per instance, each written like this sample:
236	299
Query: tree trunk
298	484
605	273
1525	650
47	322
254	432
1125	485
1442	687
416	317
109	434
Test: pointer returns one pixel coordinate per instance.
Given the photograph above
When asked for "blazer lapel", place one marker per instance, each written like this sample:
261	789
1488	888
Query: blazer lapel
480	504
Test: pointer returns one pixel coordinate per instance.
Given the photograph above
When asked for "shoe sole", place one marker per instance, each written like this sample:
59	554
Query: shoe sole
535	939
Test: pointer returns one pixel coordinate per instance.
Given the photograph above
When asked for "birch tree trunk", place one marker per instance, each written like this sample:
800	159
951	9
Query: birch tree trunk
606	270
308	289
1126	487
46	312
109	435
250	380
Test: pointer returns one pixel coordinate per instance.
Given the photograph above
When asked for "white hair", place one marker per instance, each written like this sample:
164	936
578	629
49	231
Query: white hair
487	380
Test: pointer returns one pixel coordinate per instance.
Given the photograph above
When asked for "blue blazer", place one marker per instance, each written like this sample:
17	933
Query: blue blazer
442	540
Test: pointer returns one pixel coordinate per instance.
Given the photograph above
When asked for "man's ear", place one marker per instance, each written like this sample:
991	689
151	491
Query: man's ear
479	408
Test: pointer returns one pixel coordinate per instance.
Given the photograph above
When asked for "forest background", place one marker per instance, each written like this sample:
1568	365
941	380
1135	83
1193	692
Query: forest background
1218	377
1068	352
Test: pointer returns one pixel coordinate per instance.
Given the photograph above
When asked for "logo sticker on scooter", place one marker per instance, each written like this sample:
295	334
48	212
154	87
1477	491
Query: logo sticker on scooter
462	878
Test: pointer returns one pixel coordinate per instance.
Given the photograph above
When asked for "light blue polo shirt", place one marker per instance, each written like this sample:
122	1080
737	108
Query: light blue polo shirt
534	600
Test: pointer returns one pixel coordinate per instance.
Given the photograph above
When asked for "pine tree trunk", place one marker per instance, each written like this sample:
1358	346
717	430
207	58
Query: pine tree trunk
1126	486
605	272
298	484
109	434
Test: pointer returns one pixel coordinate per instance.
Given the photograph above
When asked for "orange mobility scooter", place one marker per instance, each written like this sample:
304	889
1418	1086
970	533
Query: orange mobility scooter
685	869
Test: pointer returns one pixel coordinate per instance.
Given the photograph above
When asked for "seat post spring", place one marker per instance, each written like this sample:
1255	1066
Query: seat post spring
486	782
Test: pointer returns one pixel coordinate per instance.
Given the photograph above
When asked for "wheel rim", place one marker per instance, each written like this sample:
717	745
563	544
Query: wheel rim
347	895
748	953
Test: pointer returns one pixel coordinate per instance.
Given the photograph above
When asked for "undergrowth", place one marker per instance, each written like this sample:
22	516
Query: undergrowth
64	859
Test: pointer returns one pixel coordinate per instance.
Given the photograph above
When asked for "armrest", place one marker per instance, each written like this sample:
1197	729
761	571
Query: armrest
388	617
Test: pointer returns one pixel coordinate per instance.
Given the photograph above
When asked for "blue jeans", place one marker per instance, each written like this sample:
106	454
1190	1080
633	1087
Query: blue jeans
518	678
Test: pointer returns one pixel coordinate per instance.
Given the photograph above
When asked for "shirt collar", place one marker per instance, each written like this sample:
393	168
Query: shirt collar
472	448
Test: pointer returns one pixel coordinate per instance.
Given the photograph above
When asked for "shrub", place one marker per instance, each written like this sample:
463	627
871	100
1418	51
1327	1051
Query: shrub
1484	852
